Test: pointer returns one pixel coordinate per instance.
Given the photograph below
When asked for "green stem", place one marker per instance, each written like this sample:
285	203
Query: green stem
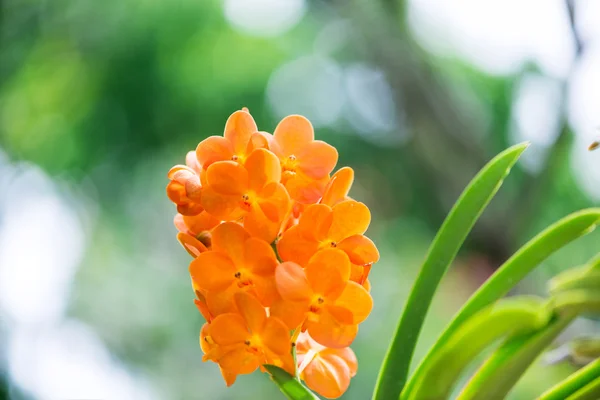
443	250
289	386
573	383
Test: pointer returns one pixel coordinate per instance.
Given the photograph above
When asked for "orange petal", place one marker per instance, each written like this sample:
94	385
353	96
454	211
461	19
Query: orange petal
221	302
274	201
338	187
327	272
257	224
266	289
360	249
294	247
227	177
239	361
228	329
189	208
349	218
179	223
330	333
206	343
251	310
203	308
345	354
329	376
229	377
201	222
291	281
356	299
213	149
259	257
212	271
259	140
316	221
292	313
230	238
263	167
306	190
367	285
238	129
221	206
276	336
192	245
317	159
292	134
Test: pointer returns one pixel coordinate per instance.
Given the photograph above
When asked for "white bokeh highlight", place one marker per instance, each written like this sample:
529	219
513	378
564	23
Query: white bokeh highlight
265	18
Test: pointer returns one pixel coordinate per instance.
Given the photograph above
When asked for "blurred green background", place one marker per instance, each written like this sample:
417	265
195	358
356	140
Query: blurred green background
98	99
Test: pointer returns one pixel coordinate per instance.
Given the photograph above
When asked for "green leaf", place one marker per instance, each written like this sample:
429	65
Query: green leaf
589	392
573	383
442	252
506	318
502	370
290	387
513	270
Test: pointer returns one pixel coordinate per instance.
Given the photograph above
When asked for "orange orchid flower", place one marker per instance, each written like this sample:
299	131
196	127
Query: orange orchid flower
240	138
324	370
246	340
251	191
306	163
341	226
185	190
322	298
236	262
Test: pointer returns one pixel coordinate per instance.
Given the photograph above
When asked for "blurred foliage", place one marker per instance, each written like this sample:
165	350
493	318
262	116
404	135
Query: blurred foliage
107	95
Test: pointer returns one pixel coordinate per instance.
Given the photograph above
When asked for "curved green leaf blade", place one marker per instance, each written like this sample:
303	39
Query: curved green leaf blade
289	386
513	270
579	301
589	392
502	370
507	318
443	250
573	383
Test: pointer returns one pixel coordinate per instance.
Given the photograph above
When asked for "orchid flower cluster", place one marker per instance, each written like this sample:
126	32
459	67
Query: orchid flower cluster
280	260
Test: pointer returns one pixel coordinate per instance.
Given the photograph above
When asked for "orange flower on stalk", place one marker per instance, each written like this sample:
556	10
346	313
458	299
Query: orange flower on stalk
251	192
185	190
324	370
240	138
321	298
306	163
236	262
246	340
341	226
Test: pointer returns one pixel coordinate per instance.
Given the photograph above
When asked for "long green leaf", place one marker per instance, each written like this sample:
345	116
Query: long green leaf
580	301
501	371
513	270
506	318
443	250
573	383
589	392
289	386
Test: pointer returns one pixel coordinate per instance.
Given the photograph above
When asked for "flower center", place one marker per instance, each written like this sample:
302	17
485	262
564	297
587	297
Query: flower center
316	304
243	279
247	199
288	167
